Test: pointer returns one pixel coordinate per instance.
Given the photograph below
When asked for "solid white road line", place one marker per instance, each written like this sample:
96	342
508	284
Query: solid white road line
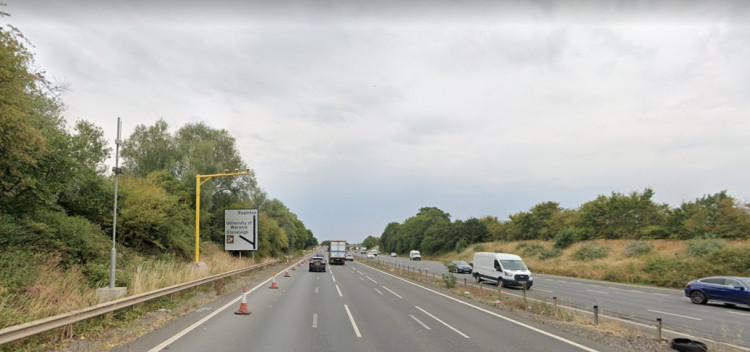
198	323
337	289
420	322
394	293
351	319
676	315
442	322
315	321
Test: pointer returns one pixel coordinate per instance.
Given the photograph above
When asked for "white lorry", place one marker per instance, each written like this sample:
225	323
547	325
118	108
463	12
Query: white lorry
337	252
506	269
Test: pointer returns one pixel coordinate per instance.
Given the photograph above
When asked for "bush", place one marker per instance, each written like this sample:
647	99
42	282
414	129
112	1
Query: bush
565	238
550	253
673	272
533	250
449	280
478	248
591	251
730	261
461	245
702	247
634	249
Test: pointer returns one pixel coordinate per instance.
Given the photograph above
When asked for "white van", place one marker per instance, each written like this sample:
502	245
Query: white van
506	269
414	255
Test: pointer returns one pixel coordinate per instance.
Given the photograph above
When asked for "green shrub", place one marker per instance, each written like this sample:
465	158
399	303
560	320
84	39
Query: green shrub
478	248
730	261
533	250
637	248
565	238
461	245
521	246
450	280
591	251
702	247
550	253
673	272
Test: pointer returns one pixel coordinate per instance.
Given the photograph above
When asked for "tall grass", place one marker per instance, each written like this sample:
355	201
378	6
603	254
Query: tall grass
57	289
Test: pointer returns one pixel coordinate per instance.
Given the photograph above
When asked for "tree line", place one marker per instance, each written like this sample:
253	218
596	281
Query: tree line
633	216
56	194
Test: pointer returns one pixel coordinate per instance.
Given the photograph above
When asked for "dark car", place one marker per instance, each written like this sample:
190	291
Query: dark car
459	266
727	289
317	264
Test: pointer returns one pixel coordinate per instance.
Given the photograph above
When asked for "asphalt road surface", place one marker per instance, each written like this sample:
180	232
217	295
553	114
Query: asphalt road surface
353	307
638	306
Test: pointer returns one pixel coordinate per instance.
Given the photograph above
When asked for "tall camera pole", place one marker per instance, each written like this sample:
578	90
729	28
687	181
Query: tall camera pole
117	171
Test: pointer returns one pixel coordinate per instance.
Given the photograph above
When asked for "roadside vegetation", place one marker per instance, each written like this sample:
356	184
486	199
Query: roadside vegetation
56	200
662	263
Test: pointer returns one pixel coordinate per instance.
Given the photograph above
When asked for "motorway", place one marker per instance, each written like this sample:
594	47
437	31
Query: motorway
353	307
638	306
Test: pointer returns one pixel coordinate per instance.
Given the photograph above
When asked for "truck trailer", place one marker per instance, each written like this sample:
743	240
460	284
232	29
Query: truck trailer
337	252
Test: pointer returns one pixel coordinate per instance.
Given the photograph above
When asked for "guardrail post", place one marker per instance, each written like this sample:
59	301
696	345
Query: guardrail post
596	315
554	305
464	282
658	329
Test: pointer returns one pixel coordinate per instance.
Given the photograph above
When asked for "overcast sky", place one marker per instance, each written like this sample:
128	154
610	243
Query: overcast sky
358	113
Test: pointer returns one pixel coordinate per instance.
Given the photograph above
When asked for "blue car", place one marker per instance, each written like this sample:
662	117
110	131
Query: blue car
727	289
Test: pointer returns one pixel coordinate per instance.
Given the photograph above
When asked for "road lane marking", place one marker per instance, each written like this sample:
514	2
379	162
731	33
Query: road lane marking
540	331
337	289
602	292
315	321
394	293
198	323
660	294
316	290
442	322
636	291
582	311
372	280
351	319
539	289
378	291
420	322
676	315
334	279
738	313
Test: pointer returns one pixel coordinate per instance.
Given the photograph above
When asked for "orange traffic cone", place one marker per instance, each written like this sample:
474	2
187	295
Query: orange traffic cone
243	304
273	282
293	268
299	263
287	274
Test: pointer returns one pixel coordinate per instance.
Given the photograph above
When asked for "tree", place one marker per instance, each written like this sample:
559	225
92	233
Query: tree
29	118
717	215
149	149
622	216
371	242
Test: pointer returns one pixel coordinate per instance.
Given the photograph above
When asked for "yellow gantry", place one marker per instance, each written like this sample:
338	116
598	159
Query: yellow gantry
198	184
